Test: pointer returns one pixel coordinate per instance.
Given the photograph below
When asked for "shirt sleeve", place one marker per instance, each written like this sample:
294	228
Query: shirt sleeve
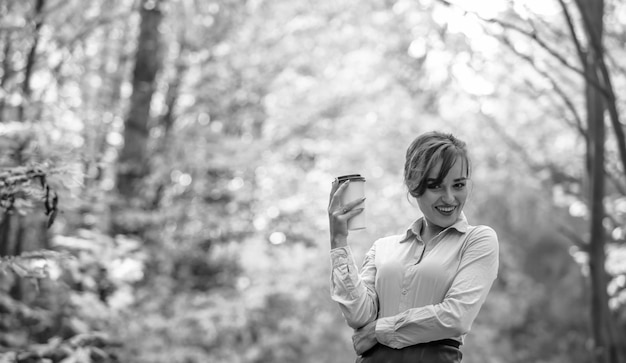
454	316
354	292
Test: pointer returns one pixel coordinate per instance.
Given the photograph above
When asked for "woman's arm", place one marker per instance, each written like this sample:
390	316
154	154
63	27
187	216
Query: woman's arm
454	316
354	292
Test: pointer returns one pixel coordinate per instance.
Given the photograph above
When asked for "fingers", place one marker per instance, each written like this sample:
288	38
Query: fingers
351	213
355	212
354	203
347	210
333	188
341	219
336	192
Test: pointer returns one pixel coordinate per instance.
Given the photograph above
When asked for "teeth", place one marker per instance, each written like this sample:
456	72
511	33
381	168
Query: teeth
446	209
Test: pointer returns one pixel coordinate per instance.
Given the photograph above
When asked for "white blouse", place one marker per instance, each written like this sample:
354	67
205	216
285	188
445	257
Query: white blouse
418	293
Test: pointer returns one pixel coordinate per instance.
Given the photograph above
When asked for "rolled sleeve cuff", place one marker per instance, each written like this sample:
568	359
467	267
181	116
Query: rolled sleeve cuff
340	256
385	328
344	276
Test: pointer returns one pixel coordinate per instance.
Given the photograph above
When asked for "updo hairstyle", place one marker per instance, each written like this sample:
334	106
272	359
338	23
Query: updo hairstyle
425	152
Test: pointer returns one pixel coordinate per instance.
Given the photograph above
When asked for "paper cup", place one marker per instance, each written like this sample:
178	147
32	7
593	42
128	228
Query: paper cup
355	190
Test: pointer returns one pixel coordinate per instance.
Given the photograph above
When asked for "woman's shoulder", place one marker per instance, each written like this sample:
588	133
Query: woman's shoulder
390	239
482	230
482	235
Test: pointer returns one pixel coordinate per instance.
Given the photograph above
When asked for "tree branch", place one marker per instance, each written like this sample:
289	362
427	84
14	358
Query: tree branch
599	51
606	88
613	176
575	237
535	37
560	92
572	29
512	142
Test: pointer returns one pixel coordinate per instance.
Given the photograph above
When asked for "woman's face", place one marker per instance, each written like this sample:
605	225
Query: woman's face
442	203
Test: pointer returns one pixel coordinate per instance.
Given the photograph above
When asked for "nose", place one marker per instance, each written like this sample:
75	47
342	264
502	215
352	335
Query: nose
448	196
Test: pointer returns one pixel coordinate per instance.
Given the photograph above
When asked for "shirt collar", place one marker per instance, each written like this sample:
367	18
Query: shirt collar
460	225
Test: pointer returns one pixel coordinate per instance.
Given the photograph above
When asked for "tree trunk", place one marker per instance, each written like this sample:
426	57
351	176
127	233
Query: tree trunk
5	233
7	71
30	61
166	121
133	159
606	345
173	91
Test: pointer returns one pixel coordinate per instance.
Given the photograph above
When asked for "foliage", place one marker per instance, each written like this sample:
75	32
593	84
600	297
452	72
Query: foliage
224	252
16	187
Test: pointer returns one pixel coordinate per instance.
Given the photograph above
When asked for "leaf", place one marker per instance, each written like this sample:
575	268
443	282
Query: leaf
8	357
35	282
46	254
18	269
51	218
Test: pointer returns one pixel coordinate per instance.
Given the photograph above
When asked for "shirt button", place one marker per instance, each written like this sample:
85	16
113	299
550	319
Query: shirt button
404	292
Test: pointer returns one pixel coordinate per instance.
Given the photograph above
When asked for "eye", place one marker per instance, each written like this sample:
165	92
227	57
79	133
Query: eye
434	186
459	185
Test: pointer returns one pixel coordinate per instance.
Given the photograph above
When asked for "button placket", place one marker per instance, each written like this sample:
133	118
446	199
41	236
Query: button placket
419	255
431	244
404	288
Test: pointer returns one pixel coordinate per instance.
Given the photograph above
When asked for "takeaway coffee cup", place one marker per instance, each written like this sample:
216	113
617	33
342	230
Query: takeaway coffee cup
355	190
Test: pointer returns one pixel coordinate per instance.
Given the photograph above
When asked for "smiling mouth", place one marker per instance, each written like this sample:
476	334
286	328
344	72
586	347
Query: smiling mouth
446	210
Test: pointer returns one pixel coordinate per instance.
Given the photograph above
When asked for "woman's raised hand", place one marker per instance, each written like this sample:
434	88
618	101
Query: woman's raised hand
339	214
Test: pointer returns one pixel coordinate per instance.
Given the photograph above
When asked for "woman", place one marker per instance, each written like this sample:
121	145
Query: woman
418	292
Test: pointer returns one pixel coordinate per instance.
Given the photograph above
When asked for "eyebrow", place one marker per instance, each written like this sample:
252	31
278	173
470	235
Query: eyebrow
430	180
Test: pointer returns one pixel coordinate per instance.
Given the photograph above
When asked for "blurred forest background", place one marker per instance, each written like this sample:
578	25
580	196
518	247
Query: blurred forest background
165	168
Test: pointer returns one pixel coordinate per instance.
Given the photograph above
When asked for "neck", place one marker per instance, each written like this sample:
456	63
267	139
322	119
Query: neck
430	230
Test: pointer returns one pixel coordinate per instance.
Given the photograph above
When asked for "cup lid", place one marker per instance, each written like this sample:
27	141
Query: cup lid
356	177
